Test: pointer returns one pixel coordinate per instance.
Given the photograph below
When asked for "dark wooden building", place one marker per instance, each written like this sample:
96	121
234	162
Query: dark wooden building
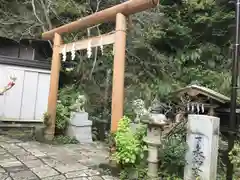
28	60
26	52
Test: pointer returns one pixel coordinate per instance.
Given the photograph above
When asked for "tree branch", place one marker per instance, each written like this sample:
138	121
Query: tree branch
46	14
96	49
35	13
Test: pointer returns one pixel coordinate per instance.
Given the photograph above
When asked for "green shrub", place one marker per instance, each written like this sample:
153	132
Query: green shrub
67	96
172	155
234	157
129	145
131	152
62	117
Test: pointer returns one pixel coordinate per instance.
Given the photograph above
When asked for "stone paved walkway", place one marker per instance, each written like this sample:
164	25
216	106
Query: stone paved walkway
35	161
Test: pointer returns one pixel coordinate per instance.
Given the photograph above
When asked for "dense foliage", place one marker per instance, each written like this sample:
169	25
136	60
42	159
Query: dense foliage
67	97
178	43
129	144
234	157
131	152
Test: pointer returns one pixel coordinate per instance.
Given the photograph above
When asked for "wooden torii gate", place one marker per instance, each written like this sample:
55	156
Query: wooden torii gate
116	13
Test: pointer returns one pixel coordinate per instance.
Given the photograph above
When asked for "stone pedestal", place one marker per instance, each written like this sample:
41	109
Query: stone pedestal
155	125
80	127
202	154
153	147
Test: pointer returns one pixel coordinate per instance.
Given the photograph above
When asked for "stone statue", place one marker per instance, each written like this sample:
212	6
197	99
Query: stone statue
139	109
142	112
79	104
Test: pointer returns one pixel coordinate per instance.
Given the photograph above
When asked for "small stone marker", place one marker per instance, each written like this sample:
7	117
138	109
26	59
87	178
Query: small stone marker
202	154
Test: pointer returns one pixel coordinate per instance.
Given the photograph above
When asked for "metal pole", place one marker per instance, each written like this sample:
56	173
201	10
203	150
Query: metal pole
232	122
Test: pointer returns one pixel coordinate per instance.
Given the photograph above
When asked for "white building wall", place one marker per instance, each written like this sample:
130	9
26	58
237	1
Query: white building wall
27	100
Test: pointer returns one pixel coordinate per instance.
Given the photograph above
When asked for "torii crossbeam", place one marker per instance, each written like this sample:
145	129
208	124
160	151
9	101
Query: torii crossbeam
116	13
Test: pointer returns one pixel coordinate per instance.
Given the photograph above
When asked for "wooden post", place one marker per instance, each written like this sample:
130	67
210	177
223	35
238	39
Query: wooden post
118	71
53	92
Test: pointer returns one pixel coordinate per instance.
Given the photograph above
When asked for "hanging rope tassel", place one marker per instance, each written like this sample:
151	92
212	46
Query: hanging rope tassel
73	53
89	49
64	53
101	46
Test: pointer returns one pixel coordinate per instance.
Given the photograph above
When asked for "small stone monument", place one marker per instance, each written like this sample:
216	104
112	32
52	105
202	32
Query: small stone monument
153	139
202	154
79	125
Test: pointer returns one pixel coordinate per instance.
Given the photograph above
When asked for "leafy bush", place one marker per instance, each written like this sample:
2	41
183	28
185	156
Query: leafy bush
129	145
172	155
62	117
130	148
234	157
130	152
67	96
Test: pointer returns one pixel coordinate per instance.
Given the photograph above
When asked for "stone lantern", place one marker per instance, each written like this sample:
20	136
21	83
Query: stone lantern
155	124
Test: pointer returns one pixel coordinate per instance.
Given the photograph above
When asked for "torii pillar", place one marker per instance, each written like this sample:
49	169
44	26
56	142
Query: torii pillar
118	71
116	13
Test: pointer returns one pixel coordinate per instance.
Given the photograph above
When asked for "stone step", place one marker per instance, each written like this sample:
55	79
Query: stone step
23	131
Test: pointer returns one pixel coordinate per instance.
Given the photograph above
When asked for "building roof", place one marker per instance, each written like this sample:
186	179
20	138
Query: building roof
194	90
43	45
